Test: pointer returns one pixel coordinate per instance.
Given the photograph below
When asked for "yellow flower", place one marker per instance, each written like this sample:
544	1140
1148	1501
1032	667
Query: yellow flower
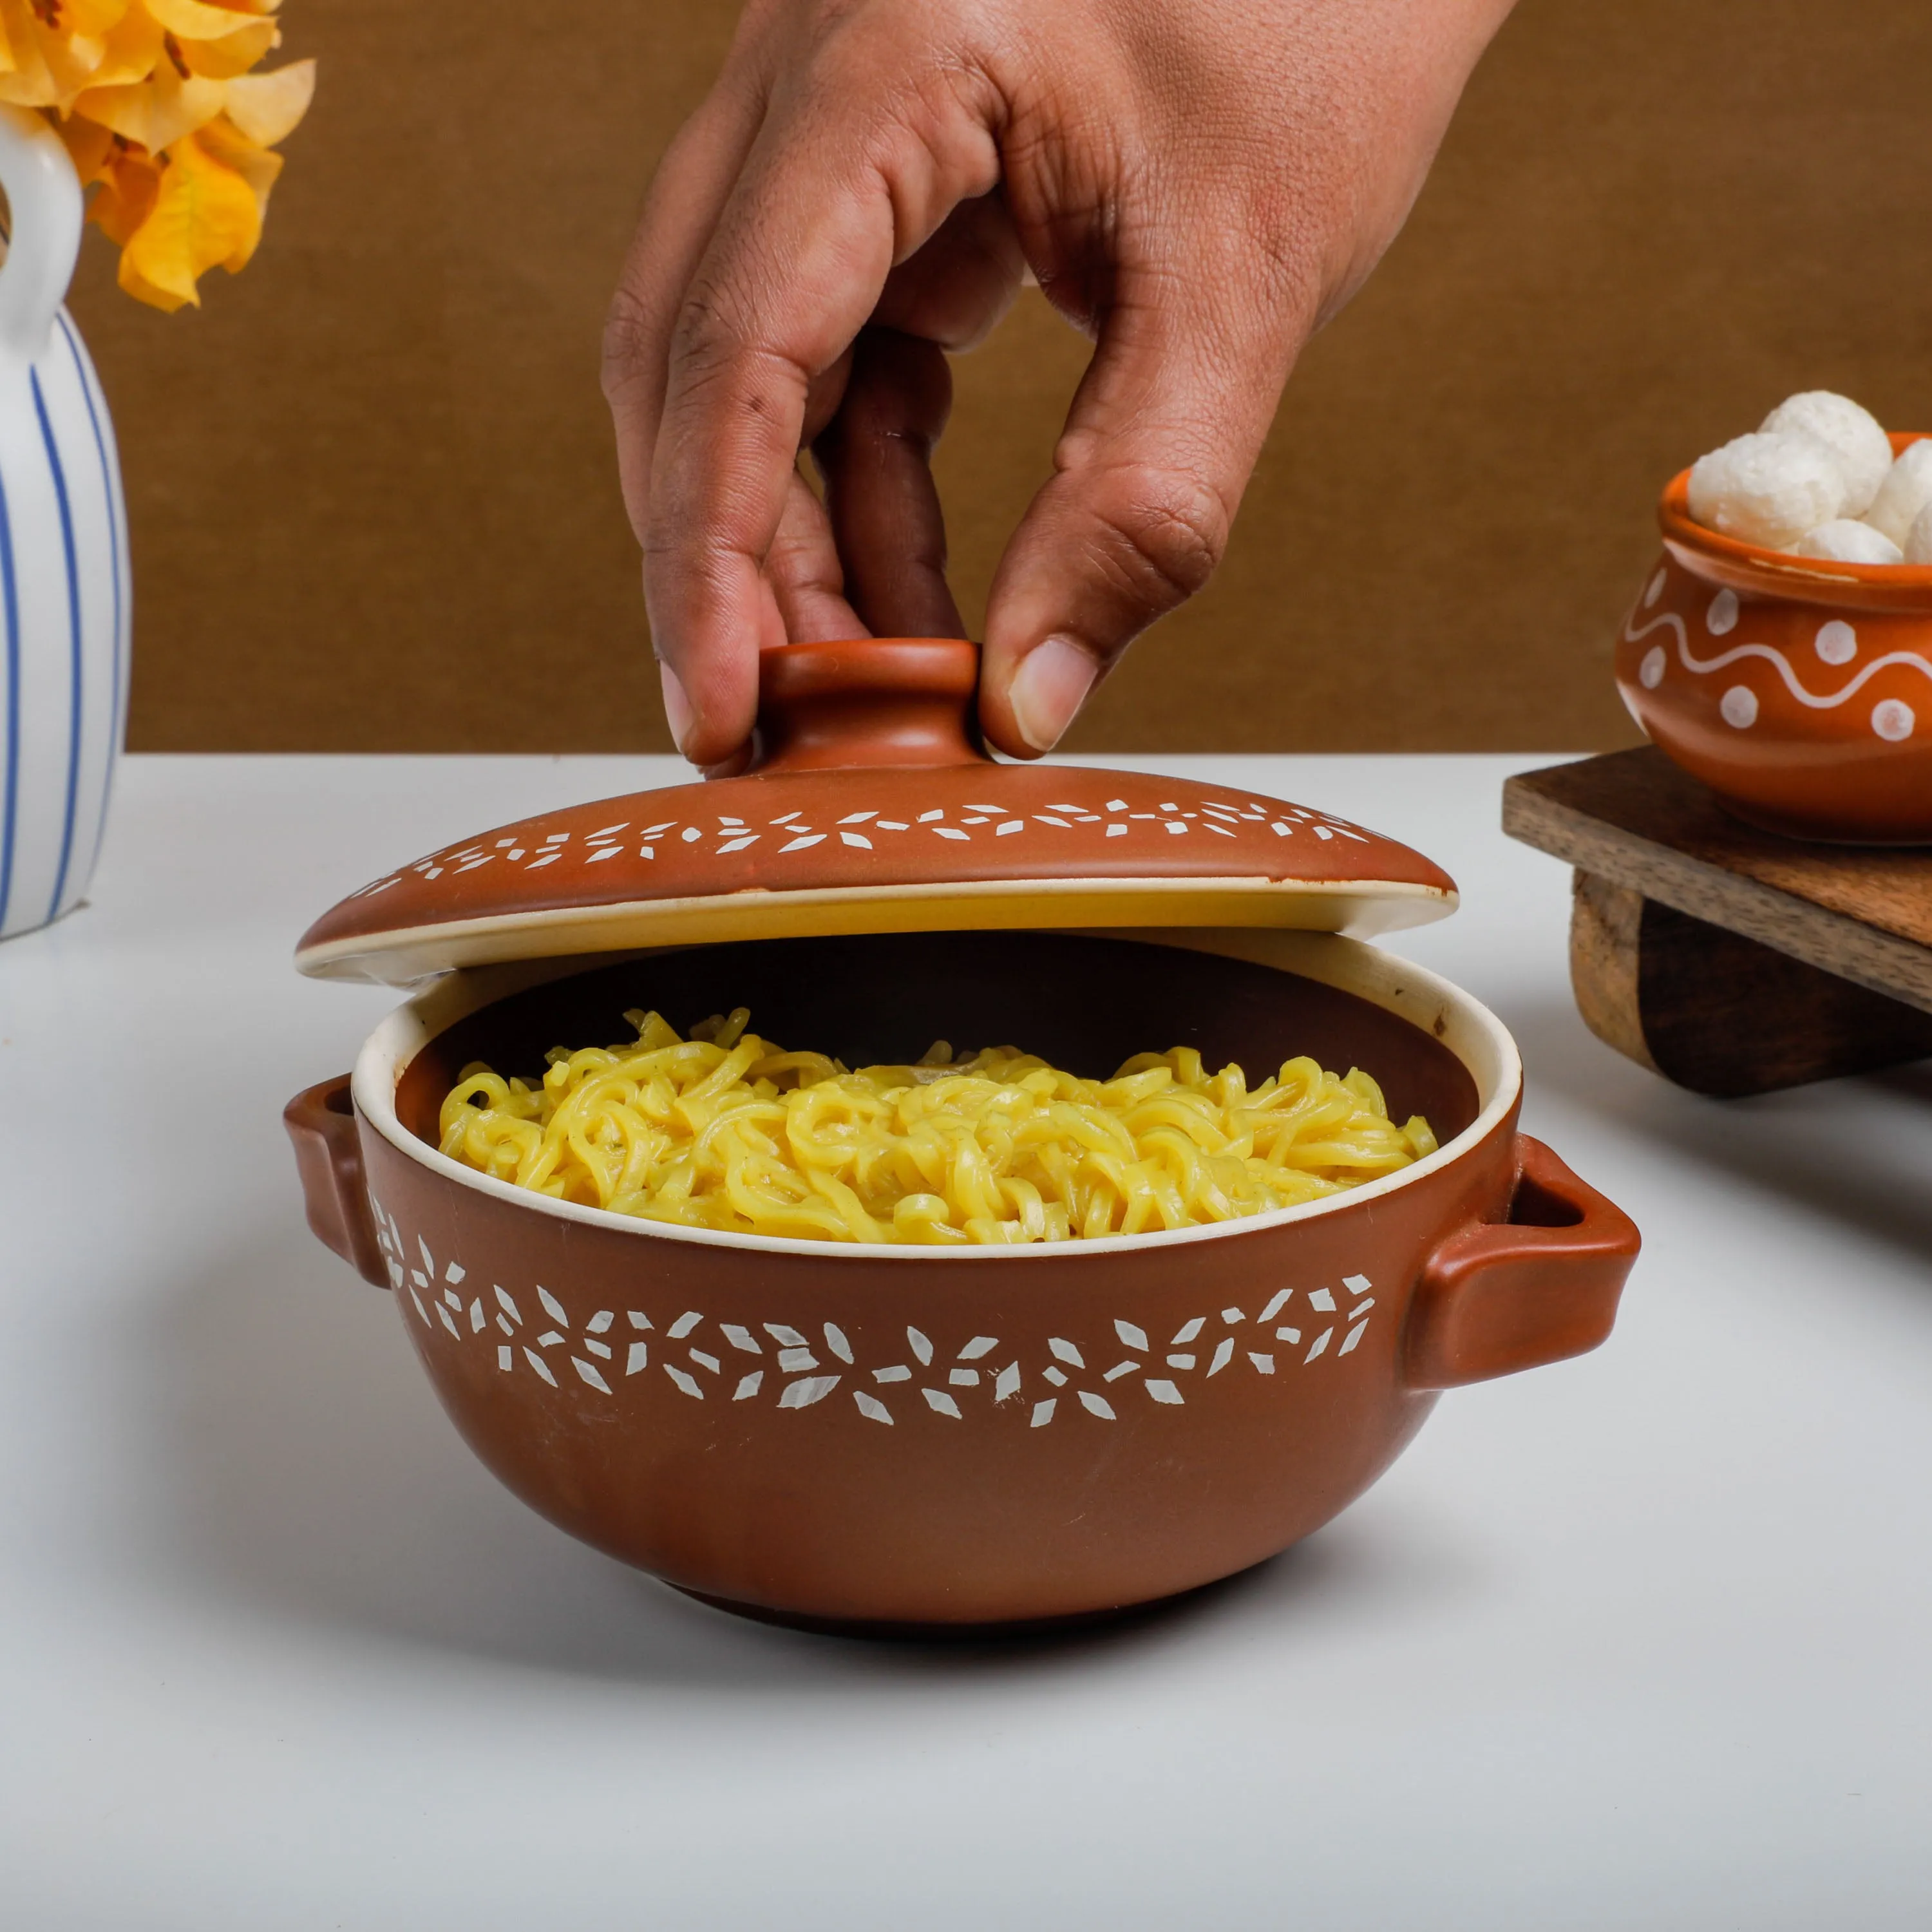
206	214
165	121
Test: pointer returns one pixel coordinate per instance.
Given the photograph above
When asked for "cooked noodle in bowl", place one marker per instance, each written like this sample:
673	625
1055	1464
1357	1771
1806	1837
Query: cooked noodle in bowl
724	1130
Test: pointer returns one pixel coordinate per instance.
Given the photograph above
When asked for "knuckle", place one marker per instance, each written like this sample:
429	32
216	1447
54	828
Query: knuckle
715	364
683	573
704	336
629	338
1160	534
915	115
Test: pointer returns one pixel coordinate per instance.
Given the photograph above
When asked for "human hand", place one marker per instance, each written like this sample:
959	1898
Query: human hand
1197	187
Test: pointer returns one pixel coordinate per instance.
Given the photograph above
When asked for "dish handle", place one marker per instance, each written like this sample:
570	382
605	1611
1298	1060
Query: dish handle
321	1122
1539	1286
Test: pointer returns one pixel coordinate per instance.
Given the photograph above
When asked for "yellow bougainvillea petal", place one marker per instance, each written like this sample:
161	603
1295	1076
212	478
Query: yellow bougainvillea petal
93	18
134	282
268	107
27	82
204	215
256	166
68	58
89	146
129	185
157	112
130	49
196	20
236	53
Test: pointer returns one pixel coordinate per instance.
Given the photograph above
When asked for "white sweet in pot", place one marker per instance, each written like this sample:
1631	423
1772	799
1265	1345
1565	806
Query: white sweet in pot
1845	540
1903	495
1919	538
1768	488
1852	435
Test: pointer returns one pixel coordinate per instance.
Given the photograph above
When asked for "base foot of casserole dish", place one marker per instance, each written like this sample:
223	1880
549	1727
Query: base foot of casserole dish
999	1630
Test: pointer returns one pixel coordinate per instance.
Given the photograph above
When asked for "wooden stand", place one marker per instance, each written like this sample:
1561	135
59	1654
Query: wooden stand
1729	960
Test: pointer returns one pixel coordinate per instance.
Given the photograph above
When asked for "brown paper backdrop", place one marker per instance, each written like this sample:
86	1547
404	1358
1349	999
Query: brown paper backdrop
371	486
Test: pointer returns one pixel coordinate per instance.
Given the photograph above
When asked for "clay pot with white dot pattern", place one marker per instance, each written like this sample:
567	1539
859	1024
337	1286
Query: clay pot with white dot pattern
1800	690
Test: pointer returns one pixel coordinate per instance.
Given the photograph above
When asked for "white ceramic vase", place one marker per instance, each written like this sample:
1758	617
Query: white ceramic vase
64	598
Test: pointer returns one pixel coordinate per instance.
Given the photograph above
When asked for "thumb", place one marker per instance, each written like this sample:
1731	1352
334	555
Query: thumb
1149	471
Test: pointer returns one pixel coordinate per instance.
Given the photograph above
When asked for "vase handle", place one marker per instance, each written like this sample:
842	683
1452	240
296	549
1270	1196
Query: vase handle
43	195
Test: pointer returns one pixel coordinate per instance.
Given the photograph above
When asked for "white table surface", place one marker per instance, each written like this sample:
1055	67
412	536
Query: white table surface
1645	1639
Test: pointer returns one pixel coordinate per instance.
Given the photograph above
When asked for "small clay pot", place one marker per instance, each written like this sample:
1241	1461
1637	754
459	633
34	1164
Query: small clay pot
907	1437
1799	691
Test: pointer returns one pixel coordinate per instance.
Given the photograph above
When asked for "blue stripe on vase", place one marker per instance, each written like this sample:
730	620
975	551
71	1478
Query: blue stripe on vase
10	797
107	490
73	645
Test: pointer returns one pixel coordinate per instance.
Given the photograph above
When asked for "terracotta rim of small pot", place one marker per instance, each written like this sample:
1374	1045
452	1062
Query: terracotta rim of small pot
1902	588
1435	1005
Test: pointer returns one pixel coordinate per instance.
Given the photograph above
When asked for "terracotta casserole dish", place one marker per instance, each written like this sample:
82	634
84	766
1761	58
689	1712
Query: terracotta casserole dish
911	1436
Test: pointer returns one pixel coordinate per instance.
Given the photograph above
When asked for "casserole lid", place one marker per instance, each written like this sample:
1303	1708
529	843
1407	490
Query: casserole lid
869	807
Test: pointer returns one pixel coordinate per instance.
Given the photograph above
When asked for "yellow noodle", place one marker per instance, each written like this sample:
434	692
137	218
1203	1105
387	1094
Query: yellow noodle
724	1129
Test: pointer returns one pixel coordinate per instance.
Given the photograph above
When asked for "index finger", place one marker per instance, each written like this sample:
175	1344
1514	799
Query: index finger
800	256
692	183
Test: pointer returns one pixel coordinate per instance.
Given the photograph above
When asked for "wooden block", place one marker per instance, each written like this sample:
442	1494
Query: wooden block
1717	1012
1862	913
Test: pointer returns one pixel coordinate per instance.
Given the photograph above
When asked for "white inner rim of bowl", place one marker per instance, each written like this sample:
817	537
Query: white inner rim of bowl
1466	1027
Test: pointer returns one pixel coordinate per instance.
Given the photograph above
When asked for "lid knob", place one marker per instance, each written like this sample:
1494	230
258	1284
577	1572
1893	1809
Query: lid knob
868	701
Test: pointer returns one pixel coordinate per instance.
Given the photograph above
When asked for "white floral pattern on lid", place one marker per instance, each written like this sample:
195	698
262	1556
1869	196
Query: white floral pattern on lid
720	835
913	830
669	867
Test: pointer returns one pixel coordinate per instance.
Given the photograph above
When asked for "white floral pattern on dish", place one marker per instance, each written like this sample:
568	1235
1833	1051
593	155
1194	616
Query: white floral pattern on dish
703	1359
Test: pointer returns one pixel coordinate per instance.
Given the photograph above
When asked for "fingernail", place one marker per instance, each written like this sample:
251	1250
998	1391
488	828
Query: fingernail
1049	687
677	707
